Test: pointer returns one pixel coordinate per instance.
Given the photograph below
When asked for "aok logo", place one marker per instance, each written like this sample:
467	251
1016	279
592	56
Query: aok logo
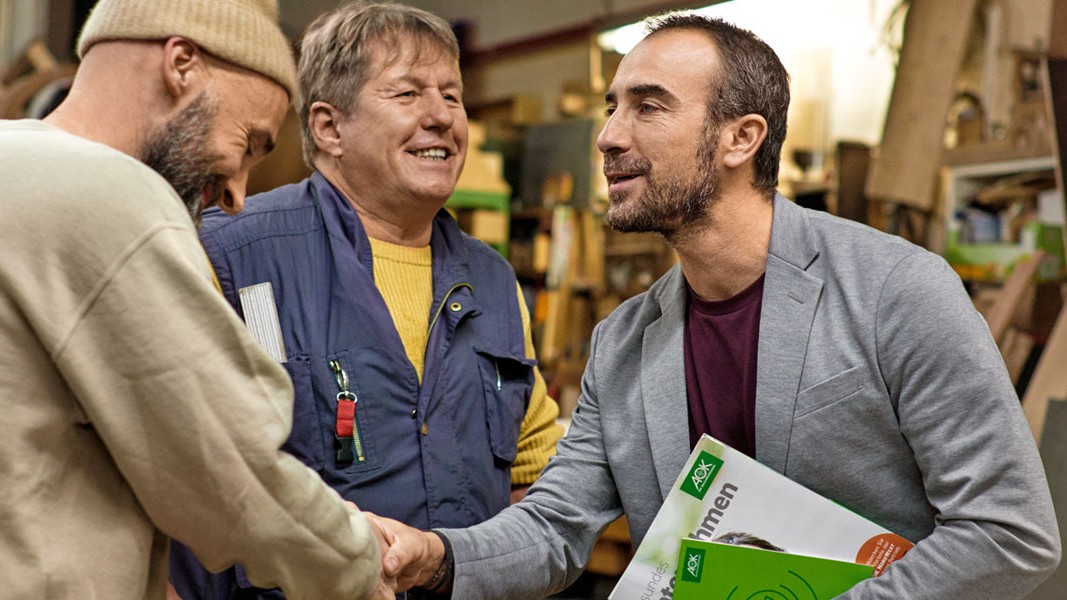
694	564
699	479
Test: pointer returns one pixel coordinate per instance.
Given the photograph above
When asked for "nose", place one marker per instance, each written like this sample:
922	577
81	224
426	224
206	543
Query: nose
436	112
614	137
233	193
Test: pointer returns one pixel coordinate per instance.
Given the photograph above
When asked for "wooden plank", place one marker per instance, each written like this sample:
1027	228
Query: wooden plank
1007	301
935	40
1055	71
1054	67
853	164
593	250
994	151
1050	377
1057	43
1015	350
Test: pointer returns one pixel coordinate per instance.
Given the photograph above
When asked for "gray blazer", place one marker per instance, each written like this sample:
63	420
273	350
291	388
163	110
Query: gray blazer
878	386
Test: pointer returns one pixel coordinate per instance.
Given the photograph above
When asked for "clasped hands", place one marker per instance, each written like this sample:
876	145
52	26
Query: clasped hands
410	557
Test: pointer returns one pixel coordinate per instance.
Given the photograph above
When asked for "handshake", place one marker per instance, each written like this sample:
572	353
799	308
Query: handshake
410	558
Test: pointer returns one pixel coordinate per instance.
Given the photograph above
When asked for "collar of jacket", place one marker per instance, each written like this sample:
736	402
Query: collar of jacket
451	256
791	238
791	242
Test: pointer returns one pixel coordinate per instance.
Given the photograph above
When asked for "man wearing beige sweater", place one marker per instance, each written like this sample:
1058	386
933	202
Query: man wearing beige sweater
135	406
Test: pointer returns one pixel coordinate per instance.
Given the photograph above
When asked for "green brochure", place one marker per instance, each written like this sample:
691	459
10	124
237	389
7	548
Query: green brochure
722	495
717	571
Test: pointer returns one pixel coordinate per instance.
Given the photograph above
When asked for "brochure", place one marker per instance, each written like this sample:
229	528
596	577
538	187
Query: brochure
723	495
713	570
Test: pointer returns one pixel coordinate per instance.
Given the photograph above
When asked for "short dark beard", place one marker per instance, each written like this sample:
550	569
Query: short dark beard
178	151
672	207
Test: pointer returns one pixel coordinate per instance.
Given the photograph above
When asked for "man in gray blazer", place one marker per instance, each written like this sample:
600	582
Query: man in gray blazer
849	360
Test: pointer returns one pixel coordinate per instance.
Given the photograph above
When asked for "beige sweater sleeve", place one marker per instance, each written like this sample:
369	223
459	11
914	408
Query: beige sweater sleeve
194	414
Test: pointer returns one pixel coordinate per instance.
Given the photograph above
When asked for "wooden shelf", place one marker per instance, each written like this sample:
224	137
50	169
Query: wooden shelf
994	152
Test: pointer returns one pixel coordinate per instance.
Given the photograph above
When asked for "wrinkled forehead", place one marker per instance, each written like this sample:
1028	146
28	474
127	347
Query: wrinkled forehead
410	48
684	62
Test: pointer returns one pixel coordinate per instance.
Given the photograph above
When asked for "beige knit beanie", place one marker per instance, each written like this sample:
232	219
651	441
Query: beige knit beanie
242	32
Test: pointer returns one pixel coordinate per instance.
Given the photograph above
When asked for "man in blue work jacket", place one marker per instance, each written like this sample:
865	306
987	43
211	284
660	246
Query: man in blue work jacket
417	392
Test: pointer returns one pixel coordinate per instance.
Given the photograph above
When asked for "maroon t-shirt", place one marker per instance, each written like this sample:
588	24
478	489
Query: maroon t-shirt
721	343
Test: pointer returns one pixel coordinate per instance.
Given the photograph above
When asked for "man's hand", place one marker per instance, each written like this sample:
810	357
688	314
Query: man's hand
413	556
386	589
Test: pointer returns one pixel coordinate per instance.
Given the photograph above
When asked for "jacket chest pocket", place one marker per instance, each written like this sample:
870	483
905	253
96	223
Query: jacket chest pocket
830	391
306	441
506	382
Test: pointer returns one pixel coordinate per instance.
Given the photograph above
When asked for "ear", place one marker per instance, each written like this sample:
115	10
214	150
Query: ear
324	121
182	61
741	138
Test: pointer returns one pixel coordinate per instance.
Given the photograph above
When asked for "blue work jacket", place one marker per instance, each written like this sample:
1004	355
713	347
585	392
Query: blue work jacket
431	455
436	454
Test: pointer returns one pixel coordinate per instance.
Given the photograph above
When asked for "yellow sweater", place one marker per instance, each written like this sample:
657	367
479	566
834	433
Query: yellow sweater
404	277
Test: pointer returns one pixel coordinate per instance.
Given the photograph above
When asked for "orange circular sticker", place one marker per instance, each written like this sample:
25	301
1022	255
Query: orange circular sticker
881	550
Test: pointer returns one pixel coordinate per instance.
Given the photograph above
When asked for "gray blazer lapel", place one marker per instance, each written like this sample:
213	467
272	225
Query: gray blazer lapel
790	296
663	384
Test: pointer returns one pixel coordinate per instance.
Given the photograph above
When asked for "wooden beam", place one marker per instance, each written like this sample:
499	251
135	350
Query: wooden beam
1057	44
935	40
1050	378
1000	314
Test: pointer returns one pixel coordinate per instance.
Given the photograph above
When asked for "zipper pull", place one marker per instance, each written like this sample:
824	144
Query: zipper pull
346	428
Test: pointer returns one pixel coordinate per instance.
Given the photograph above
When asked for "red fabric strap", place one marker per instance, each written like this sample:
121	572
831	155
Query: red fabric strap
346	417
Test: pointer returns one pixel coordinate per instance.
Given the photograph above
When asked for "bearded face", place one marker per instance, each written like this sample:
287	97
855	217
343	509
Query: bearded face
180	152
677	195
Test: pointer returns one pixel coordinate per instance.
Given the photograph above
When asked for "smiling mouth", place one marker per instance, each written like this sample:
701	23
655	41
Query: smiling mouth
432	154
616	178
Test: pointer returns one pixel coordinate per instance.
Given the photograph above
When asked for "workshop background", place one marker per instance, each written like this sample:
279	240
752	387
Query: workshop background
942	121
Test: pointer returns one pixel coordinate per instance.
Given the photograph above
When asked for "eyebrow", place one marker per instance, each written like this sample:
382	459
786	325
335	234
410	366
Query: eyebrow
644	90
